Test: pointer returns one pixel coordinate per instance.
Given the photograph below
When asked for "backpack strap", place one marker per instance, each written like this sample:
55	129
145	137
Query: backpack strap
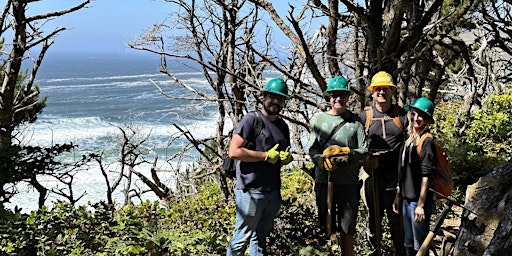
369	117
259	123
258	127
395	115
338	126
422	138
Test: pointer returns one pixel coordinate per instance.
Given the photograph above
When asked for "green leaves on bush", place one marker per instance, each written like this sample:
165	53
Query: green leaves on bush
485	140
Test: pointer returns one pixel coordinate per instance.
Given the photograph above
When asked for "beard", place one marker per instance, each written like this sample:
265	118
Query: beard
271	111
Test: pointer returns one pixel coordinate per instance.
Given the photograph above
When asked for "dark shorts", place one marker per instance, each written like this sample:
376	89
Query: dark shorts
345	207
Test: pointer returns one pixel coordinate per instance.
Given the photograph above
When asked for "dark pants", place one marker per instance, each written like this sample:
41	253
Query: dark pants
345	204
396	226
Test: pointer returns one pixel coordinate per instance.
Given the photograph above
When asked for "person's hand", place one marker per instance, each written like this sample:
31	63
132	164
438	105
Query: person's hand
286	156
329	164
321	163
272	155
419	214
372	162
335	150
396	204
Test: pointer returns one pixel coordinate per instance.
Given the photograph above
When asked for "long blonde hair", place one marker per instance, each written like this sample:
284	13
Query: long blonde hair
414	136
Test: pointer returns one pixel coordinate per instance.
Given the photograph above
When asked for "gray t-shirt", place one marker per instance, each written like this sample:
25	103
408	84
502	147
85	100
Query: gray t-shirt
261	176
386	135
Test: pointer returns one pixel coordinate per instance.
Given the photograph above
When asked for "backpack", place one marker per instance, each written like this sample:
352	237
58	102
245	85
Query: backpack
228	164
442	178
394	112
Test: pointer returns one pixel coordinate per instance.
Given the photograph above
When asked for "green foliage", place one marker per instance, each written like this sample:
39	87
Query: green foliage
295	230
491	130
484	143
200	224
27	104
64	230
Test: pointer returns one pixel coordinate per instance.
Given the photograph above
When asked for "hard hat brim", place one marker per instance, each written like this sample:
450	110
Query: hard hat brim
278	93
408	108
370	88
328	93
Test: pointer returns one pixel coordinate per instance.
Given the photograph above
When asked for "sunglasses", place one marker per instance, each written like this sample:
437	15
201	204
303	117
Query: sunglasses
378	89
339	95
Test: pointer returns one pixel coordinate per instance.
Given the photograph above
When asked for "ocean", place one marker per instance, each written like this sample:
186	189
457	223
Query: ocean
89	94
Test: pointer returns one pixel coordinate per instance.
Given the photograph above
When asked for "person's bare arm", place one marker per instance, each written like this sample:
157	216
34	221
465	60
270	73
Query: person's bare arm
419	212
237	151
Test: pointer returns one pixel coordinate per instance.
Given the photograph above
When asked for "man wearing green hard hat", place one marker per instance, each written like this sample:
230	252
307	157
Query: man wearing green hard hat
260	146
337	145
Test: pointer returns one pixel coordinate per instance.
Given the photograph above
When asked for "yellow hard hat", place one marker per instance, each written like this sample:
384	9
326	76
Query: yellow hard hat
381	79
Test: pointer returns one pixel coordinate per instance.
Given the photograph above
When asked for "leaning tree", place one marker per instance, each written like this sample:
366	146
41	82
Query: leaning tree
20	101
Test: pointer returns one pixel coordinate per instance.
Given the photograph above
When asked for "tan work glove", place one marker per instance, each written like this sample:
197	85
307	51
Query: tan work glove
327	164
286	156
335	150
272	155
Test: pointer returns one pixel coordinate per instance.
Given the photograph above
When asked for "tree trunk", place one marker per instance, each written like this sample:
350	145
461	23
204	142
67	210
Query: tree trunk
489	229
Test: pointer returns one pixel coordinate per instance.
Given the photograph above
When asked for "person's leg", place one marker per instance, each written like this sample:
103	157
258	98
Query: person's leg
421	229
270	208
408	219
371	212
245	223
321	205
347	244
368	194
337	211
348	208
396	223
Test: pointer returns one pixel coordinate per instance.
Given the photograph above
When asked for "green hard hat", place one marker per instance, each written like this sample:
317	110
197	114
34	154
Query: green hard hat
337	83
277	86
423	105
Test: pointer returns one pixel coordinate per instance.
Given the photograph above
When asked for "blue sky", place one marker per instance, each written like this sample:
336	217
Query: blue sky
107	25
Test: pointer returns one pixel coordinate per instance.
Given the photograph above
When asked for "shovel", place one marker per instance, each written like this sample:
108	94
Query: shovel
432	233
329	204
437	226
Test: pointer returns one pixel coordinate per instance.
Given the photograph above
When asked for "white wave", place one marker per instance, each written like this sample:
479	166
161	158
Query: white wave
94	134
46	132
120	77
92	86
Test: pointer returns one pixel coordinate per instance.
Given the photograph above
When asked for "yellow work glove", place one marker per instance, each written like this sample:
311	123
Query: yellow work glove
286	156
272	155
335	150
330	165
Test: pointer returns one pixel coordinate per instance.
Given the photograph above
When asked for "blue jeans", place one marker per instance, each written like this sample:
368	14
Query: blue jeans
255	213
416	232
